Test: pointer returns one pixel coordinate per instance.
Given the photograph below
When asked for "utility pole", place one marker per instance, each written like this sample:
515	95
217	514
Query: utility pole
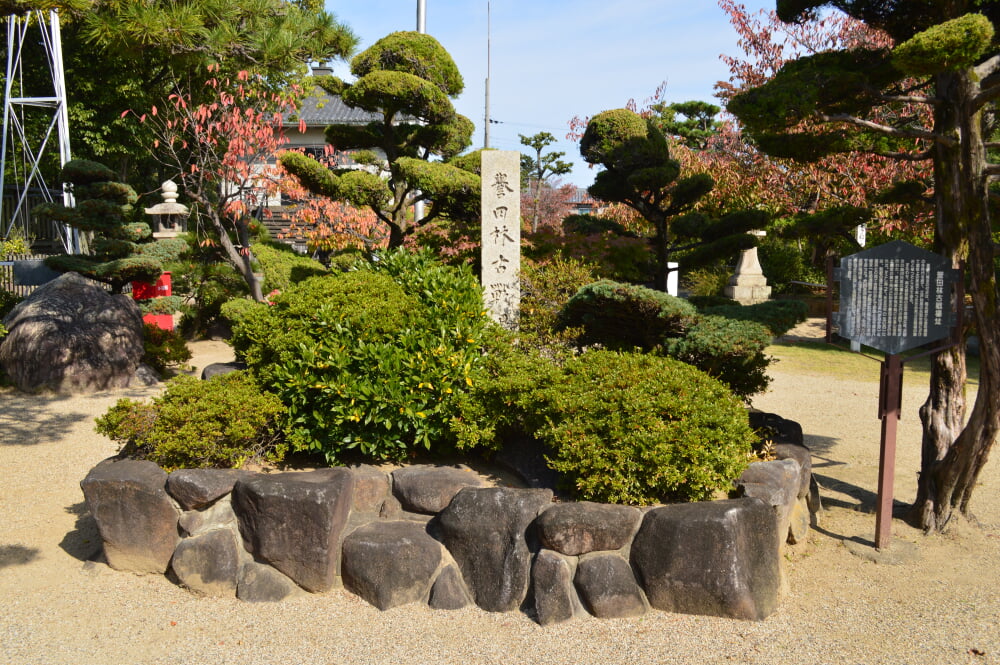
418	207
486	122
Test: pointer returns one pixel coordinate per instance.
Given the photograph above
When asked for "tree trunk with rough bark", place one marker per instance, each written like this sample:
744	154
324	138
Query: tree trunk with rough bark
952	455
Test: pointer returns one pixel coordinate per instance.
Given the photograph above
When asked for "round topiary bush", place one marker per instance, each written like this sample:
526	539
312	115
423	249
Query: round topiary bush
643	429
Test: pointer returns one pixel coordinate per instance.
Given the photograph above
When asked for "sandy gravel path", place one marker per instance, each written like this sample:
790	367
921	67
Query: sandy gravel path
939	605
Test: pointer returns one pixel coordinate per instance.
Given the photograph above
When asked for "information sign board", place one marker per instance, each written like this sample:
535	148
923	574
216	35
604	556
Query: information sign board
895	297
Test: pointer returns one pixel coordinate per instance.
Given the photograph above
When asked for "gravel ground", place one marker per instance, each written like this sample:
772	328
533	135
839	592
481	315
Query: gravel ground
933	601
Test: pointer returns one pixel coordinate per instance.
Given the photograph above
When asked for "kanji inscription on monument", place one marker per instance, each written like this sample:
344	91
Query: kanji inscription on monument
501	235
895	297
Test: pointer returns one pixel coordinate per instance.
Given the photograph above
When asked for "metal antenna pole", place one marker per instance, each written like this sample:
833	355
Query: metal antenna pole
422	16
486	123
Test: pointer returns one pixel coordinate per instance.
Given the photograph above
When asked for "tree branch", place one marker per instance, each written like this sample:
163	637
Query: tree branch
886	129
907	156
991	66
911	99
986	96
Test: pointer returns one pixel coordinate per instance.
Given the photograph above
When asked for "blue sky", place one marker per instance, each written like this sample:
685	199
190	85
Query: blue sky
554	59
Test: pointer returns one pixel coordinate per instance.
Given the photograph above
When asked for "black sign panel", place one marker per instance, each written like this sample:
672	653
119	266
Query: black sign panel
895	297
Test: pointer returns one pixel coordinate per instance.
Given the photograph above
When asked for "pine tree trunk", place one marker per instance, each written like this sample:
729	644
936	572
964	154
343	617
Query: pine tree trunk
952	459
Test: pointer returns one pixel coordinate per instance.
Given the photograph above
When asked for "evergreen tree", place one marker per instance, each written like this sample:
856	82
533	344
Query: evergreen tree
409	80
121	251
944	59
640	173
536	171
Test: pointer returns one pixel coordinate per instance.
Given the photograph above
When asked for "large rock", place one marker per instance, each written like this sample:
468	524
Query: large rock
371	487
449	592
552	586
136	519
579	528
429	489
718	558
208	563
72	336
776	483
259	583
294	522
195	489
608	588
390	563
485	529
216	516
800	454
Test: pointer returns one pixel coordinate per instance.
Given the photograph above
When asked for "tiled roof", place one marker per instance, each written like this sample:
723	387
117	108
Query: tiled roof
321	109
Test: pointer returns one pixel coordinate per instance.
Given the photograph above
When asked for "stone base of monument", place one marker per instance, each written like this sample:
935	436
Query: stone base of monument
748	295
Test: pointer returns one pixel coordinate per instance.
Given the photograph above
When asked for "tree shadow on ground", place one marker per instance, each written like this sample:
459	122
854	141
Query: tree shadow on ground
84	541
17	555
29	420
853	498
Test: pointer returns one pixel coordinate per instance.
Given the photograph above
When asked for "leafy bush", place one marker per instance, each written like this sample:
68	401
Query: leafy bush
163	348
370	360
224	422
282	266
624	316
778	316
643	429
783	263
205	280
545	288
161	305
707	282
8	301
727	349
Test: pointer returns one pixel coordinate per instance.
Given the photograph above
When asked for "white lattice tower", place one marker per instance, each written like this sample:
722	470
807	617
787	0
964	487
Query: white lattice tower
22	152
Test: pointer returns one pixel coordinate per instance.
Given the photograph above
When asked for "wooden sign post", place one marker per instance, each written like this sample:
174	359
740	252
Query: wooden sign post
893	298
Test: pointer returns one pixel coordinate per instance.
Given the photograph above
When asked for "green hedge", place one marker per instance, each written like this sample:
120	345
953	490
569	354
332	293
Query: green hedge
778	316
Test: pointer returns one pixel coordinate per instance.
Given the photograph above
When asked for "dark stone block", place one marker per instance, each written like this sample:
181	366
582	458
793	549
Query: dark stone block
208	563
779	430
449	592
195	489
71	336
218	515
579	528
429	489
218	369
608	588
136	519
485	529
718	558
259	583
526	458
776	483
552	583
371	487
294	521
390	563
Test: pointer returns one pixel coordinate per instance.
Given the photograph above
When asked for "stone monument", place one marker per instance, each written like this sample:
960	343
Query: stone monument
748	285
501	235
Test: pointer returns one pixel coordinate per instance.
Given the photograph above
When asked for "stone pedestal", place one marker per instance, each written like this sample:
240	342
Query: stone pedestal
748	285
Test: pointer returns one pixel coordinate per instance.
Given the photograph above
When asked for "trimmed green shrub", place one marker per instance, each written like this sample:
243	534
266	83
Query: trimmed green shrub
163	348
704	302
707	282
205	280
643	429
727	349
224	422
546	286
371	360
778	316
283	266
625	316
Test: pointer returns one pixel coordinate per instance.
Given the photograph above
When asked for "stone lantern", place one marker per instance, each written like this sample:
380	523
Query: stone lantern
170	217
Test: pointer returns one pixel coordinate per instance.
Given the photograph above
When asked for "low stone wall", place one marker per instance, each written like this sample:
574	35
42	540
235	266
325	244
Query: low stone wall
437	535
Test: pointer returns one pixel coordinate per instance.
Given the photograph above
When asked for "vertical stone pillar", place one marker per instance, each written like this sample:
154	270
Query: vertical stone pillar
501	235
